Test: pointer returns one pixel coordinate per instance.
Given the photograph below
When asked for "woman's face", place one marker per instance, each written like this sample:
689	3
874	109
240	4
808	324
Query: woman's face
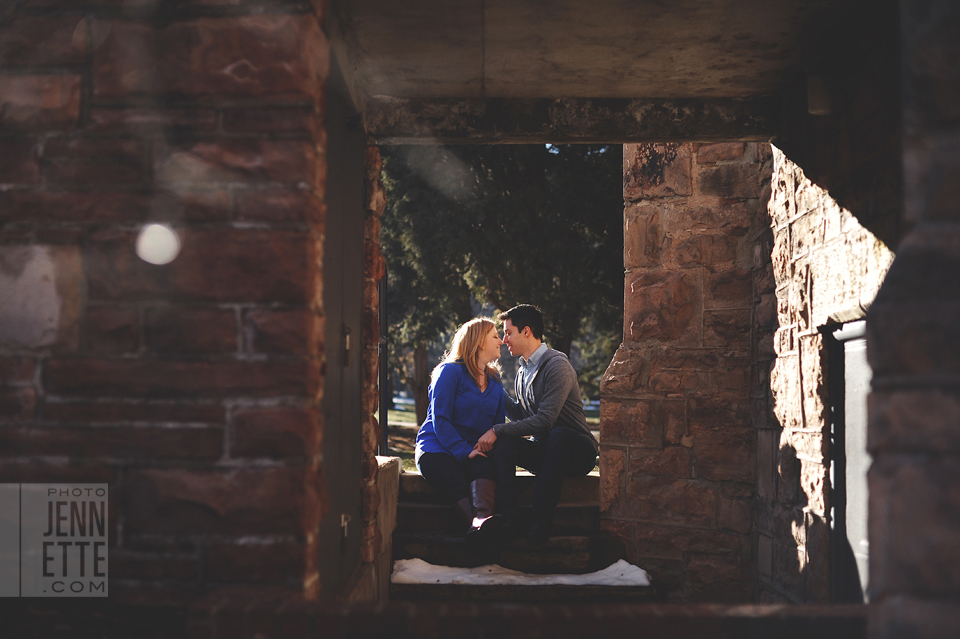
489	348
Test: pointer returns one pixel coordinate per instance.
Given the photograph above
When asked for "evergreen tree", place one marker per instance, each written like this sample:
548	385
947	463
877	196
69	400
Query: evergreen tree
505	225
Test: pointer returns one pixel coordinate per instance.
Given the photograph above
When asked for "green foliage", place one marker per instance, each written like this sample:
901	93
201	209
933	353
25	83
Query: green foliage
505	225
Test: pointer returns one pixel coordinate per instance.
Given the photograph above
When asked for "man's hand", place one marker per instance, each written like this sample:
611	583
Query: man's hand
475	453
485	443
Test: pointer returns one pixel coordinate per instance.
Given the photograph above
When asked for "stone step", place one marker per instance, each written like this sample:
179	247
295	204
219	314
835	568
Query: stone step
413	517
414	488
577	554
524	594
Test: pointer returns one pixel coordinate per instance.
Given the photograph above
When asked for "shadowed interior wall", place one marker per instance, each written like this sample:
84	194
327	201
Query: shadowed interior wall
192	388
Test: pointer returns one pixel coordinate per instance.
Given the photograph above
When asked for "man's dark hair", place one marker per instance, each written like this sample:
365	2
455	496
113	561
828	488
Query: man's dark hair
525	315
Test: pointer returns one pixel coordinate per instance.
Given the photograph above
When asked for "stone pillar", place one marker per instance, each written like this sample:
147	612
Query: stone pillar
913	341
192	388
677	442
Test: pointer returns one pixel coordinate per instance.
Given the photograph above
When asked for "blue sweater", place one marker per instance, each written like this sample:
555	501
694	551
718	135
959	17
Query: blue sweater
459	413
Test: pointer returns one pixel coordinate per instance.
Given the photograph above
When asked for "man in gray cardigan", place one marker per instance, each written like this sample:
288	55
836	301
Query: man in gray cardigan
549	408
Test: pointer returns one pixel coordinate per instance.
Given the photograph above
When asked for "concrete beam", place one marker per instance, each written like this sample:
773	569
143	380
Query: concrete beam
569	120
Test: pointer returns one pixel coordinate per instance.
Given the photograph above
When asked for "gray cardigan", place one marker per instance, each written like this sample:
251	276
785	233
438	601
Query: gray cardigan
556	402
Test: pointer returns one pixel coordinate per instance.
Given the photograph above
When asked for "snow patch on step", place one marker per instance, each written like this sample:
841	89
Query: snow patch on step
417	571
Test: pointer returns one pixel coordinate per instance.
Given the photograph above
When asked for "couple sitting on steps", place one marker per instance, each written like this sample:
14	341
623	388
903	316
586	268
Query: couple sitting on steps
468	452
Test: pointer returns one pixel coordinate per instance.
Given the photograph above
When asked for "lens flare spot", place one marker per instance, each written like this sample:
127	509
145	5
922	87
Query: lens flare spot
158	244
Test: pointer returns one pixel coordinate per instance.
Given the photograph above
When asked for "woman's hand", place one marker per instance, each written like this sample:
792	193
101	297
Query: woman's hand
474	453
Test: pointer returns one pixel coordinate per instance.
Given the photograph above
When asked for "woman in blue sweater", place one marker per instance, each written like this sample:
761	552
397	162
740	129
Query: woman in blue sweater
466	400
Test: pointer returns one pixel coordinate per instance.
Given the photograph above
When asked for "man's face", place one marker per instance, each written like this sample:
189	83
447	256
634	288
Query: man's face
515	340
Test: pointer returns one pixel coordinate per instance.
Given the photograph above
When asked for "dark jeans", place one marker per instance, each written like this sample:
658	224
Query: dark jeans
559	454
450	477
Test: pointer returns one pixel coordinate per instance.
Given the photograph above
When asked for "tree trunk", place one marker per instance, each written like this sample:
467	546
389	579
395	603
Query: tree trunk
421	382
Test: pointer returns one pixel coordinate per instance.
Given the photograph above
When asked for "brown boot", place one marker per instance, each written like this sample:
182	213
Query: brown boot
485	523
464	508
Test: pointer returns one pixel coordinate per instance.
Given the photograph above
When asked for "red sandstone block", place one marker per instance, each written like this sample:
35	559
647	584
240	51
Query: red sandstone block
283	331
84	172
720	578
41	472
112	329
736	515
725	455
175	329
712	153
674	421
39	101
115	442
78	207
152	566
144	119
674	542
727	217
374	267
768	441
237	502
635	423
18	160
101	412
203	206
60	237
920	339
152	378
17	370
662	500
233	160
83	148
277	562
685	359
733	181
273	432
672	461
276	56
41	41
728	289
713	251
656	170
19	404
723	412
642	235
661	305
277	205
728	329
914	420
213	265
270	120
626	531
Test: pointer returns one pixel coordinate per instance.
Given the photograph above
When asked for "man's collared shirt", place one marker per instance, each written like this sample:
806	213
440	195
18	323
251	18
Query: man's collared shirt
526	372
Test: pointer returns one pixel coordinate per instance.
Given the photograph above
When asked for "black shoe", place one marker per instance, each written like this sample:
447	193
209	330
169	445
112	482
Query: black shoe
538	533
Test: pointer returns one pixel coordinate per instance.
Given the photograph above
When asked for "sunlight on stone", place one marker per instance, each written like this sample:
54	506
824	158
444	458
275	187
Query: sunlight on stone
158	244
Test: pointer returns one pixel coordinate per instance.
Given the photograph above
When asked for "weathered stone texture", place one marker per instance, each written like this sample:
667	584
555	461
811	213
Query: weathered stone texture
677	441
827	269
192	388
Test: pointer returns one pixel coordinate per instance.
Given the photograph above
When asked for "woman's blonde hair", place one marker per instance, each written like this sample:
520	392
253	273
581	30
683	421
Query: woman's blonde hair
466	348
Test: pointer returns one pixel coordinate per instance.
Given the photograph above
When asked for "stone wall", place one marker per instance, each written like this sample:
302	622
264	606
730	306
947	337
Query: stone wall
380	476
816	266
914	350
193	388
678	445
